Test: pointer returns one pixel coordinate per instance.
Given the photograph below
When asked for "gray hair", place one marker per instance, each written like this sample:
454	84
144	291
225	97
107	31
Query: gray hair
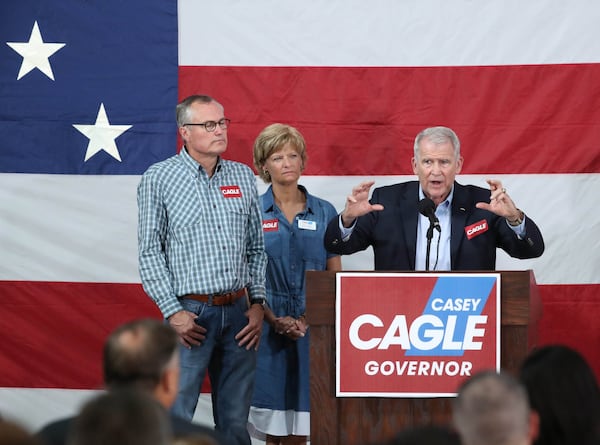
182	110
491	409
438	135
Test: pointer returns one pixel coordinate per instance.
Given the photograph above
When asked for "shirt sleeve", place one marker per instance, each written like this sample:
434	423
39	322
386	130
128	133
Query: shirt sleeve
330	213
520	229
257	257
152	231
346	231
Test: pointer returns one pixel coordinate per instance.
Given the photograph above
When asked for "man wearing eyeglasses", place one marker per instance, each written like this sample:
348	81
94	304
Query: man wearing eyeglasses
202	261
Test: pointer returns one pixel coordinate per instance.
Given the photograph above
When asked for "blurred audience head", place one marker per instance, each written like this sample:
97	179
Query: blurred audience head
143	354
425	435
194	439
12	433
564	391
492	409
121	417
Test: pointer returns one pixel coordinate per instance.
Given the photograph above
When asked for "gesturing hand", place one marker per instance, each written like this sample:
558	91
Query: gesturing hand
357	204
500	203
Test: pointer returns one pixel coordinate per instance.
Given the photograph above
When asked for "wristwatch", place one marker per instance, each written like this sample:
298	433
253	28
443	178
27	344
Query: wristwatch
518	221
260	300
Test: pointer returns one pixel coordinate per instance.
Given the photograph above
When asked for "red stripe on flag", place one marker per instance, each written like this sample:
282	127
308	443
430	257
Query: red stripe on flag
362	121
52	333
570	316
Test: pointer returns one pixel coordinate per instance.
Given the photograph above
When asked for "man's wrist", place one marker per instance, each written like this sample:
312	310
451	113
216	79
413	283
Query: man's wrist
345	222
258	300
516	221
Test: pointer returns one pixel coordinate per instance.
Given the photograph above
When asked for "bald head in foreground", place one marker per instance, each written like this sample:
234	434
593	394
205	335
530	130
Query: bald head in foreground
493	409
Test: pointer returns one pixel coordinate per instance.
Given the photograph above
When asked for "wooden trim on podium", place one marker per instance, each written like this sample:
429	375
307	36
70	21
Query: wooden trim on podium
355	420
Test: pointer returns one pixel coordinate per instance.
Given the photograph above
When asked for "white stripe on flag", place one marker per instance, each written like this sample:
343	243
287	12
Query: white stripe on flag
84	228
53	404
388	33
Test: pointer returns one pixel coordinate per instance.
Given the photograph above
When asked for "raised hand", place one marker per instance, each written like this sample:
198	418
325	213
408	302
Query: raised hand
500	203
357	204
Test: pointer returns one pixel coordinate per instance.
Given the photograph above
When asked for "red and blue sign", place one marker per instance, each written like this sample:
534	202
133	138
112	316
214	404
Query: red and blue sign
414	334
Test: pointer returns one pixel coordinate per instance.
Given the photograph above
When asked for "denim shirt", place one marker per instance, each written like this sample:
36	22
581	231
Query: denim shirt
293	249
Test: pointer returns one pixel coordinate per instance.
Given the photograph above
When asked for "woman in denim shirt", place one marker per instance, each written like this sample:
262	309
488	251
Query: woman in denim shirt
294	223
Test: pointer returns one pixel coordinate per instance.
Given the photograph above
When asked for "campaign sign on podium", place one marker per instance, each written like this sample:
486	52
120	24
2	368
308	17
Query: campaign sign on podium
414	334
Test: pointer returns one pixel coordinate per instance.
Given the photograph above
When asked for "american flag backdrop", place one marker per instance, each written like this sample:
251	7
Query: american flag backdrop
87	97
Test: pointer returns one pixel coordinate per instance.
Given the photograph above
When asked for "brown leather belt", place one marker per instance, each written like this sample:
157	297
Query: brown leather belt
218	299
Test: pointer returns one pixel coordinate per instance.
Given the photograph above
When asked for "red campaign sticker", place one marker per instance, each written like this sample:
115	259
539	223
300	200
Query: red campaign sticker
231	191
476	229
270	225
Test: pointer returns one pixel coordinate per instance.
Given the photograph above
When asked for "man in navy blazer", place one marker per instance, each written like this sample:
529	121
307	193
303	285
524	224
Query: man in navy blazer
473	221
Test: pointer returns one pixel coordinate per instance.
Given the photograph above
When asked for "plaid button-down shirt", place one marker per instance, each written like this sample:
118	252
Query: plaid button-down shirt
199	235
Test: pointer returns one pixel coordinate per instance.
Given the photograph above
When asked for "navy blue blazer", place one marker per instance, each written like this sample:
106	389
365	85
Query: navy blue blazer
393	231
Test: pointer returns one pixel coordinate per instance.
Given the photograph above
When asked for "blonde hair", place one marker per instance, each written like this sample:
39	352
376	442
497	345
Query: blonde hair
272	139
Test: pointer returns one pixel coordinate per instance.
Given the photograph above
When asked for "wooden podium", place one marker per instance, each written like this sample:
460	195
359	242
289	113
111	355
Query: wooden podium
366	420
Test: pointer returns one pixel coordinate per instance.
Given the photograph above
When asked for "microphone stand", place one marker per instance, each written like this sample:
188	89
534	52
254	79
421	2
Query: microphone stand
429	238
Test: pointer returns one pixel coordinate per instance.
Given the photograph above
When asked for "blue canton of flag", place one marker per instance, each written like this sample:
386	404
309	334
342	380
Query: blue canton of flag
87	87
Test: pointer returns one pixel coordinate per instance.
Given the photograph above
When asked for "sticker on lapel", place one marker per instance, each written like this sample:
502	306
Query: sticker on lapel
231	191
476	229
270	225
307	225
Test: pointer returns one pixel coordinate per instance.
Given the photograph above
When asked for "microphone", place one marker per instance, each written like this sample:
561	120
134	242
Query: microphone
427	208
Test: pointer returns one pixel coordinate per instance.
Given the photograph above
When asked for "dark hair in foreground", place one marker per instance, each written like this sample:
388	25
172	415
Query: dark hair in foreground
425	435
123	417
138	352
12	433
564	391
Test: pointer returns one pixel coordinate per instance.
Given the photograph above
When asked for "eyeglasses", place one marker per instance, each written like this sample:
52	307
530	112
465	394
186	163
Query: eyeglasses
212	125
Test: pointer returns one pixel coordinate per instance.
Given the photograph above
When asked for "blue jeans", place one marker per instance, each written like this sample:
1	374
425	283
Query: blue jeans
231	369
